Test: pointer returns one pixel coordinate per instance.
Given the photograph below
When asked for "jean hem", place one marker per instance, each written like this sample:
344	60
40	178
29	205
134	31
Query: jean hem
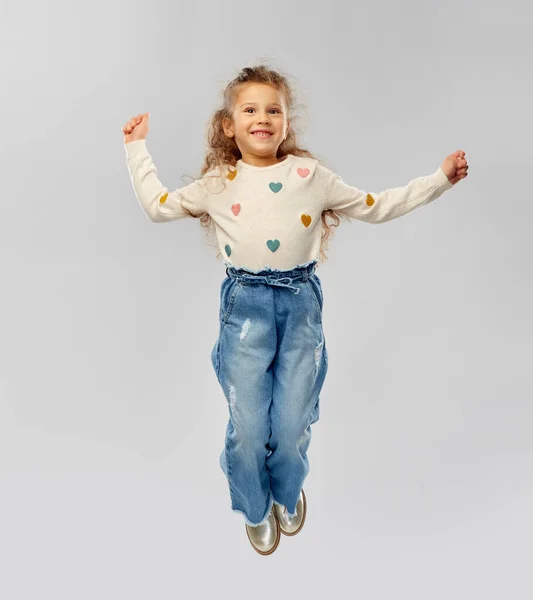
284	507
263	520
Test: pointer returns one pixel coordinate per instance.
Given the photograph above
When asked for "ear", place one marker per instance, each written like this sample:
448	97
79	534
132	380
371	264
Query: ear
228	129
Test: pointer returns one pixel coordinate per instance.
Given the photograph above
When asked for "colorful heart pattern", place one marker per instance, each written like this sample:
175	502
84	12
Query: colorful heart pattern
275	186
273	245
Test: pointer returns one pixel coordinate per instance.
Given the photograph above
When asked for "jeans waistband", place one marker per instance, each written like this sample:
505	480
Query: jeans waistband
274	276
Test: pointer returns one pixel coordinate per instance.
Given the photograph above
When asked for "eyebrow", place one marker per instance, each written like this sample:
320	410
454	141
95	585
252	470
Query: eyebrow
271	103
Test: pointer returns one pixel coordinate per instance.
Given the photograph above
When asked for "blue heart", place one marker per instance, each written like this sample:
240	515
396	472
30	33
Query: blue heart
273	244
228	250
275	187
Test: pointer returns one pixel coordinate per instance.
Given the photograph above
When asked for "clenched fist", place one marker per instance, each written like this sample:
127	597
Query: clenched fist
136	128
455	166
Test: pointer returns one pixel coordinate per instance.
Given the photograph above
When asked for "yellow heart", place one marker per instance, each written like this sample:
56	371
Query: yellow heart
369	200
306	220
163	198
232	175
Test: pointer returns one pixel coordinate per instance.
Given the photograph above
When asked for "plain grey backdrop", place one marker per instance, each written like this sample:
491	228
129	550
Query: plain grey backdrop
111	417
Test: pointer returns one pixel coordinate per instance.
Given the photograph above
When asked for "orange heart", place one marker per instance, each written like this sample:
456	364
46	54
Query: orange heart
306	220
163	198
369	200
303	172
232	174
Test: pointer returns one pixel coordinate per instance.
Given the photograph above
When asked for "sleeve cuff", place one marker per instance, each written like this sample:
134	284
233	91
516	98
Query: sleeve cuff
440	180
135	148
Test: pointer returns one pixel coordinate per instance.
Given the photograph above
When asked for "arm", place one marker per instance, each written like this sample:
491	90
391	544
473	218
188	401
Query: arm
385	205
158	204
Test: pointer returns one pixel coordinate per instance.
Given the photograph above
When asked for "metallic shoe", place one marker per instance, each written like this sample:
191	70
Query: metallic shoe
292	525
266	536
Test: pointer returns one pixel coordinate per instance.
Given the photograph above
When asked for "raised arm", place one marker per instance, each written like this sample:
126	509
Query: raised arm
379	207
158	204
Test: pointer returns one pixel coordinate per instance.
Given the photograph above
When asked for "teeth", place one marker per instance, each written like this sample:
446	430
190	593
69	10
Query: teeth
262	134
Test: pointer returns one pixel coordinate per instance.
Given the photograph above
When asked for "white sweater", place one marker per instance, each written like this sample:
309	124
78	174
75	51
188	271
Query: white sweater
270	216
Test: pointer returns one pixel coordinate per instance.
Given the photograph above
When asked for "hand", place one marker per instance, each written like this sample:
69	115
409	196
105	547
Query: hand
136	128
455	166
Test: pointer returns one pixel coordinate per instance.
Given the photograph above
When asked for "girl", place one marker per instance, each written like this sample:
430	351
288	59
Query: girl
268	199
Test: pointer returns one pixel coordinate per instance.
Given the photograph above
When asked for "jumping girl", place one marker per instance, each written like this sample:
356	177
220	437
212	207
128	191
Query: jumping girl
268	200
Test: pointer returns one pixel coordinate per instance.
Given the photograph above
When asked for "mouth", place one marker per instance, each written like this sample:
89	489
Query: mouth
261	134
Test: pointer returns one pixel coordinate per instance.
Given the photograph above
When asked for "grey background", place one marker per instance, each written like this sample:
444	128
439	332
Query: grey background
111	418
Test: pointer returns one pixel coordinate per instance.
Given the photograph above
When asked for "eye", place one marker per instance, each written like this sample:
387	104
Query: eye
247	109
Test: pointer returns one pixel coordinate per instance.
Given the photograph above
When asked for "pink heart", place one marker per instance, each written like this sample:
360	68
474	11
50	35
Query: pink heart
303	172
236	209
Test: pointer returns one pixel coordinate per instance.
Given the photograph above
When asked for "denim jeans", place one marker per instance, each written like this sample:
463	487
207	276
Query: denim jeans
270	359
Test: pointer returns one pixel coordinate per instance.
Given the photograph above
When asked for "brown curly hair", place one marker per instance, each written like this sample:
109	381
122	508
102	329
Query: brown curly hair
224	150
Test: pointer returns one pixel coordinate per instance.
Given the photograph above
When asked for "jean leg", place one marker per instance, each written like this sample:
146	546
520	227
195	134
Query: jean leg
243	359
299	372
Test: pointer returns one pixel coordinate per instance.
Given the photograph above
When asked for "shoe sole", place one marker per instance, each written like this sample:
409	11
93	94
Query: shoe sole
274	547
290	533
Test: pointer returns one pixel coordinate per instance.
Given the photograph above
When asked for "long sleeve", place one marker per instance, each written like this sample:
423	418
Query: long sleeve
383	206
158	204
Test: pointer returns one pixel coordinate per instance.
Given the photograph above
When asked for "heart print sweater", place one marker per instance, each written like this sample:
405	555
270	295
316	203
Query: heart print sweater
270	217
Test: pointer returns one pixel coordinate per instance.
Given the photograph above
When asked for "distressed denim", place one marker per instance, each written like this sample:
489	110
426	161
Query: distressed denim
270	359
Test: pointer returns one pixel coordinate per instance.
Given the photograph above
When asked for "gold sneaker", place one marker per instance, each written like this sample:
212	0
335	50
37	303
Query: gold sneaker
266	536
292	525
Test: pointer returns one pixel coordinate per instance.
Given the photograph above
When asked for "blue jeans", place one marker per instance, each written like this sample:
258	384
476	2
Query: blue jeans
270	359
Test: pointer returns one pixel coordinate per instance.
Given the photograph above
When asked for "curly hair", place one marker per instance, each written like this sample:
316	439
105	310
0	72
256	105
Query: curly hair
223	150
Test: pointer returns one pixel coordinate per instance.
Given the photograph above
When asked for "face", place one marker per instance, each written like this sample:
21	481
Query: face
258	106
